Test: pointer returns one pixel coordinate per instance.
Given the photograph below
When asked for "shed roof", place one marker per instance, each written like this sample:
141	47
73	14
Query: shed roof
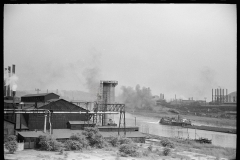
52	100
62	105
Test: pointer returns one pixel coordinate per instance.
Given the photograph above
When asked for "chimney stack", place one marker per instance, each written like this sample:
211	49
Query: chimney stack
220	90
5	86
8	87
212	95
13	72
13	69
223	96
227	94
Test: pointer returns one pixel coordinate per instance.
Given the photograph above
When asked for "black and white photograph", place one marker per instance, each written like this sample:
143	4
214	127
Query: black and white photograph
120	81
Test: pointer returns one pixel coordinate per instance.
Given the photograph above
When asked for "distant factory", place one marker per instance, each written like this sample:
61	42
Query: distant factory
218	97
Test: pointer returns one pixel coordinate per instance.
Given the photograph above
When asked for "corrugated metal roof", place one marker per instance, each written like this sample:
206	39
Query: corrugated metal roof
40	94
31	134
52	100
66	133
62	105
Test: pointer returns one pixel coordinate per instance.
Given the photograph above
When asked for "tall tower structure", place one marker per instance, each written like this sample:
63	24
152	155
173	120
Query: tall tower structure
106	96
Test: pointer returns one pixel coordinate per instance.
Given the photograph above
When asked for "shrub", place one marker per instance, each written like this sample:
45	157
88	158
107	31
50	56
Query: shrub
11	146
123	140
145	153
113	141
167	143
158	152
95	139
48	143
11	138
128	150
150	148
81	139
73	145
166	151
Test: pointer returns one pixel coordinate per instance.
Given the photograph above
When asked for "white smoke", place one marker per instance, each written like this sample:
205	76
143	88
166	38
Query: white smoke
12	81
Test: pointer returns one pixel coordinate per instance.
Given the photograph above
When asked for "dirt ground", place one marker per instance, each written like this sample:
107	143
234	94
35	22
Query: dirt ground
101	154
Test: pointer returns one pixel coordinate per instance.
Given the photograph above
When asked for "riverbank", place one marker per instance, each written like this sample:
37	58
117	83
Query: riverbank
214	129
151	150
184	145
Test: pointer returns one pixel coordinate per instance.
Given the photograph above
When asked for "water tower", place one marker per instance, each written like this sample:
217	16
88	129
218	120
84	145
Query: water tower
107	96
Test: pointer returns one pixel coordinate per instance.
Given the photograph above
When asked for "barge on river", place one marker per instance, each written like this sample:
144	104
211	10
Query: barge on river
175	121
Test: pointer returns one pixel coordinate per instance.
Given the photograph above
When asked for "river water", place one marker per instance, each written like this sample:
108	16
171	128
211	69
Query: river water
152	126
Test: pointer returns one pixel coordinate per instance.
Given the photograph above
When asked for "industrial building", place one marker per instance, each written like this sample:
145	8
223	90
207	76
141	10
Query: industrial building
45	113
221	97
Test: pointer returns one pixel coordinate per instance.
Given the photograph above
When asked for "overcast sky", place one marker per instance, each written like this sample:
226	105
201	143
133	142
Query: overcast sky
182	49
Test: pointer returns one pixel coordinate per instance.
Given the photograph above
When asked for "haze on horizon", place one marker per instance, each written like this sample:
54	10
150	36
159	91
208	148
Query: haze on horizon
182	49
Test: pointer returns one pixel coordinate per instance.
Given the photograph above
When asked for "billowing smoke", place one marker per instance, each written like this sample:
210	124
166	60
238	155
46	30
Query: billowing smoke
92	72
136	98
92	80
12	81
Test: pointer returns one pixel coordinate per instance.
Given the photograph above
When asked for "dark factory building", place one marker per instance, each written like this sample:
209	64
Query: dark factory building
41	97
10	104
58	120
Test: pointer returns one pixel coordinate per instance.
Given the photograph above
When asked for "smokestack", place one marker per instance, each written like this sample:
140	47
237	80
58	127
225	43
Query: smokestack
5	86
13	89
9	75
163	96
220	93
227	95
215	97
223	96
212	95
13	69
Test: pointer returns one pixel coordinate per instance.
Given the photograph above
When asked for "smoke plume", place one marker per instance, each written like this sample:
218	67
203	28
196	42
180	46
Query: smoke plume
92	72
137	98
92	80
12	81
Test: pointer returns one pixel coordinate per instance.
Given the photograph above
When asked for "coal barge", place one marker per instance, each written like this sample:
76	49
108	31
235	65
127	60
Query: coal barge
179	121
186	123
